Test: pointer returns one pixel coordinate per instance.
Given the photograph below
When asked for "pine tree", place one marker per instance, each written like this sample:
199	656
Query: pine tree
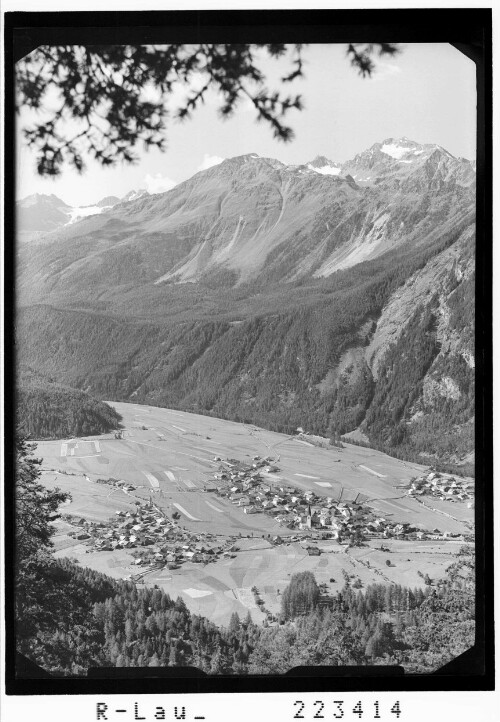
36	507
301	595
172	658
217	663
154	661
234	622
374	646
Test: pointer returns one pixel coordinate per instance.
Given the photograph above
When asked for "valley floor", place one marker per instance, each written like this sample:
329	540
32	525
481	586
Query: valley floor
170	456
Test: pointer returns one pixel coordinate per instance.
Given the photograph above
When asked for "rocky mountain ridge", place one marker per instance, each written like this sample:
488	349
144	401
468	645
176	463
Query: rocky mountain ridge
254	219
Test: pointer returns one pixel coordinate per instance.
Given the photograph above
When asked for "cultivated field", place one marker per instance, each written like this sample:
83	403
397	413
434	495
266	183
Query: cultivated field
169	456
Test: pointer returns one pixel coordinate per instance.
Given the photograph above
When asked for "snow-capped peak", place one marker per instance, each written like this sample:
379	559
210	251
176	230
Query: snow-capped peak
404	148
134	195
324	166
398	148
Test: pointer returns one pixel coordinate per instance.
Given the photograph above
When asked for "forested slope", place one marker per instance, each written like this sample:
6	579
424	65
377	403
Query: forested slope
46	410
330	365
81	618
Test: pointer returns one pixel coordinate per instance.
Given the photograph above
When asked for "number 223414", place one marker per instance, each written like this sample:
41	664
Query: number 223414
339	709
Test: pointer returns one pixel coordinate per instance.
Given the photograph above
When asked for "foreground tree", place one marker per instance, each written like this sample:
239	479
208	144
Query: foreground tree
320	638
446	621
106	99
35	505
300	596
35	509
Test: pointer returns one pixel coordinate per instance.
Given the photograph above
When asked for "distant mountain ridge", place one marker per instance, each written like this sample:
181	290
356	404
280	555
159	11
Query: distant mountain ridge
38	214
251	218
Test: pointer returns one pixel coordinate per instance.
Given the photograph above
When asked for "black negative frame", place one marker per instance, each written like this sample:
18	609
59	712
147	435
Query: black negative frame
469	30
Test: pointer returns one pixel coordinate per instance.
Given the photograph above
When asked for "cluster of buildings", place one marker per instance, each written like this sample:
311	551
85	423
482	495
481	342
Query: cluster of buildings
124	485
159	541
443	487
155	539
249	486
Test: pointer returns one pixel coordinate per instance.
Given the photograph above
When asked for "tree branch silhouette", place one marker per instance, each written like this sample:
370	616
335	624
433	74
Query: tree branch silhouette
110	98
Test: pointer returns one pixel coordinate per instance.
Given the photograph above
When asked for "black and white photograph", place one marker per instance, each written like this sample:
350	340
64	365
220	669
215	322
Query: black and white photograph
245	327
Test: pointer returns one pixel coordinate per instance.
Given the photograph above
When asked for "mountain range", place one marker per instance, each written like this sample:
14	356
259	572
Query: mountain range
334	296
38	214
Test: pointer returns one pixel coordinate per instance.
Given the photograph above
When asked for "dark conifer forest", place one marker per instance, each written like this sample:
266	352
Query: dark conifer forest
83	619
47	410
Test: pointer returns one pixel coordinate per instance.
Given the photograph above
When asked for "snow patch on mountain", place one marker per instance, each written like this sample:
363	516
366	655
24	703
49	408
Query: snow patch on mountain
324	166
395	150
76	214
325	169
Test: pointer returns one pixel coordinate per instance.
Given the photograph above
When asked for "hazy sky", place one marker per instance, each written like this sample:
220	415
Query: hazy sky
427	94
